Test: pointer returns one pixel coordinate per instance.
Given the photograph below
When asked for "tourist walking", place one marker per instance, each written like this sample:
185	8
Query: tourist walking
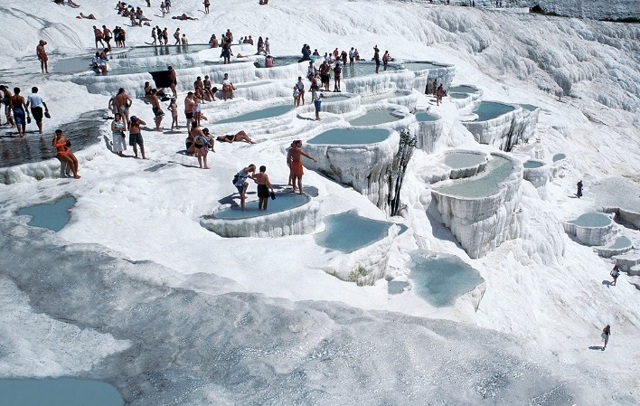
579	192
240	182
42	56
615	272
157	109
118	135
316	97
19	110
294	158
36	102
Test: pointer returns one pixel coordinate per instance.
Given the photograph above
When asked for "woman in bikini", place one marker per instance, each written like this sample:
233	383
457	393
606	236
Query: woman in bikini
64	154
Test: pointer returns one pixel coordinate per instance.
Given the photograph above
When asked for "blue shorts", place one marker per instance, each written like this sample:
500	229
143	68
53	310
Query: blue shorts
18	116
136	139
240	188
317	104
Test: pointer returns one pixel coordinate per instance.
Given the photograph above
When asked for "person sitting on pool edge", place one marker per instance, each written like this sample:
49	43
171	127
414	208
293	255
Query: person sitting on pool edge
238	137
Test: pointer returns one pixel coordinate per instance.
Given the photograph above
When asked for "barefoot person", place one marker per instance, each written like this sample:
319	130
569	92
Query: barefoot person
135	138
173	81
117	134
295	158
36	102
240	182
123	103
63	153
227	87
237	137
200	145
606	332
19	109
189	108
42	56
157	109
262	179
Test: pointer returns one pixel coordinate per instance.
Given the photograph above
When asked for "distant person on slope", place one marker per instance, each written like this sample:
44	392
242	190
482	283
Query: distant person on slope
615	272
42	56
606	332
579	192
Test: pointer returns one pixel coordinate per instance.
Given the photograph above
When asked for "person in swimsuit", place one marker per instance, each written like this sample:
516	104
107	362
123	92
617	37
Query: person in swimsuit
106	34
157	110
19	109
123	103
117	134
189	107
42	56
97	32
200	145
240	182
173	108
316	98
135	138
173	81
337	71
262	179
294	157
238	137
376	57
209	93
6	99
63	153
227	87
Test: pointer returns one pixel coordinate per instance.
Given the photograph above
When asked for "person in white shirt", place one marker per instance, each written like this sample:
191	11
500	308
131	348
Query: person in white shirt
36	102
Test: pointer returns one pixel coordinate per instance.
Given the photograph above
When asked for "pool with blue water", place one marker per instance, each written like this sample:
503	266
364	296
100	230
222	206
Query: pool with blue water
490	110
269	112
355	136
58	392
283	202
53	216
348	232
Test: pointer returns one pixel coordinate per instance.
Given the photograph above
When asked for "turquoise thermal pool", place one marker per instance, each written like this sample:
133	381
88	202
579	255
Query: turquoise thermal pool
53	216
416	66
558	157
58	392
348	232
529	107
457	95
281	61
462	89
532	164
487	183
259	114
374	117
460	160
621	243
283	202
441	280
150	51
346	136
490	110
424	116
360	69
397	287
592	220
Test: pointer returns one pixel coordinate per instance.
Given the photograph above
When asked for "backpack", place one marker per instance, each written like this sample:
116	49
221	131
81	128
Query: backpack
236	177
200	140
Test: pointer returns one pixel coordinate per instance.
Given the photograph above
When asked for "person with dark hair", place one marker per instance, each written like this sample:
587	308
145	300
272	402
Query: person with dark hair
157	109
173	81
19	109
42	56
294	157
606	332
206	3
579	192
615	272
36	102
240	182
264	185
135	138
316	97
107	35
63	152
376	57
237	137
123	102
117	134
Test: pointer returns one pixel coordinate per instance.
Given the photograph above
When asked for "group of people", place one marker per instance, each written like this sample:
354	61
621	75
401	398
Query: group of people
18	111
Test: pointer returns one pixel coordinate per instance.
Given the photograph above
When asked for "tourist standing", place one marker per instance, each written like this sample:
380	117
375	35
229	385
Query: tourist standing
300	86
337	71
579	192
107	35
200	145
206	3
294	157
157	109
173	81
189	108
97	32
316	97
615	272
240	182
173	108
135	137
36	102
376	57
117	135
606	333
123	103
385	59
264	185
6	99
42	56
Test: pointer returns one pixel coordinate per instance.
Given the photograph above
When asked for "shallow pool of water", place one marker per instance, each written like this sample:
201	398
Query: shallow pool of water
83	132
424	116
490	110
58	392
360	69
259	114
532	164
558	157
462	89
529	107
458	95
440	280
417	66
281	61
486	183
397	287
149	51
53	216
620	243
348	232
459	160
374	117
346	136
592	220
283	202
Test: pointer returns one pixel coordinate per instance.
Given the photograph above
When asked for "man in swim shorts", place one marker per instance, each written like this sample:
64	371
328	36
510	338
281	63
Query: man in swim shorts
189	107
42	56
135	138
157	110
19	109
123	103
294	157
240	182
264	185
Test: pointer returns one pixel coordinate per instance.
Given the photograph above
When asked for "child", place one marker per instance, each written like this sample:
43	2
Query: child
173	108
296	96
